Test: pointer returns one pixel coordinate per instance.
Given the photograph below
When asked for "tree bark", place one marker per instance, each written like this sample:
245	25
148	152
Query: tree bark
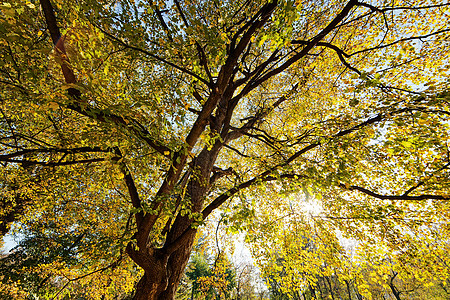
162	271
395	291
331	287
348	290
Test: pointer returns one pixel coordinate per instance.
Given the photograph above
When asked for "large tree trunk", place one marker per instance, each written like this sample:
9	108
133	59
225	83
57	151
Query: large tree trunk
162	273
146	289
164	267
163	286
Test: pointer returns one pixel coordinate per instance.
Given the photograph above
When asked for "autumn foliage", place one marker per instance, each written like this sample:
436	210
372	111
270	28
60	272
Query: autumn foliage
126	126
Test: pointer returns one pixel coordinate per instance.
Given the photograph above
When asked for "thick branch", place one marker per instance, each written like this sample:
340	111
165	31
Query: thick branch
330	27
53	164
58	41
404	196
219	173
264	177
264	13
203	118
134	194
225	75
83	108
53	150
132	125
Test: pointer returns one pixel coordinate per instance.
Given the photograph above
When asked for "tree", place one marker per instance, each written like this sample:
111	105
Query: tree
134	121
199	269
215	282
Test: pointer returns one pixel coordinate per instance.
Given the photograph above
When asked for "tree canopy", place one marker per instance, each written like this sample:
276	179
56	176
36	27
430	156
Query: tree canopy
125	124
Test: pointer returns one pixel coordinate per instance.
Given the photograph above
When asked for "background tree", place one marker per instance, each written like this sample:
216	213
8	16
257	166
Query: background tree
133	121
198	269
